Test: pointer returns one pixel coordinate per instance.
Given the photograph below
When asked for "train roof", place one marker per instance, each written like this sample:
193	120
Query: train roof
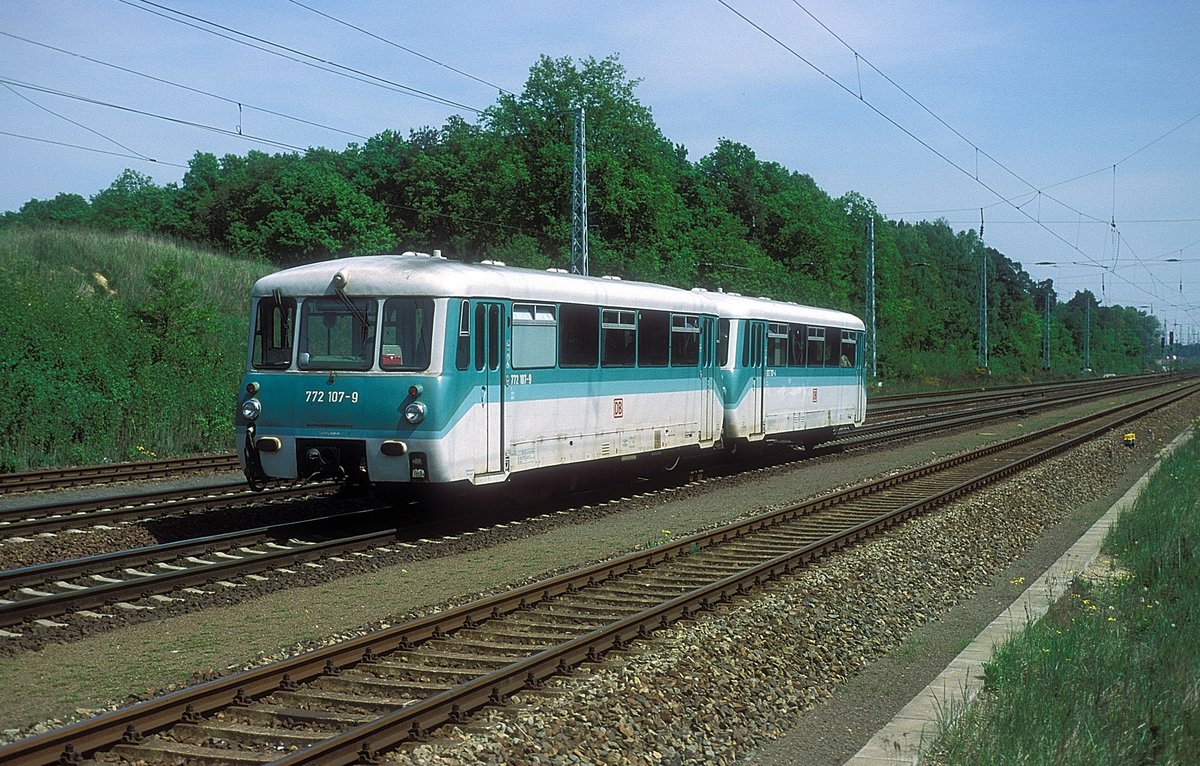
420	274
734	306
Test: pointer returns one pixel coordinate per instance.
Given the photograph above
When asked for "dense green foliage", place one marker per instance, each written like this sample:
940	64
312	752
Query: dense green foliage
116	347
497	189
1109	677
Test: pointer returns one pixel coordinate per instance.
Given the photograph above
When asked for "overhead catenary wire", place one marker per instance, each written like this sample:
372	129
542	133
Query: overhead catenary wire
144	113
926	144
283	51
979	150
76	123
238	102
406	49
1117	235
89	149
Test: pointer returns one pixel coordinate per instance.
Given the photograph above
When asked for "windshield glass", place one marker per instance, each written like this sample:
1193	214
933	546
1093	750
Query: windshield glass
405	334
274	321
337	333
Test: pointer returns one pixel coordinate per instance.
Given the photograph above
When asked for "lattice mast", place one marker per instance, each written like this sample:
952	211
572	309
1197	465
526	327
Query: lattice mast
579	222
871	292
983	297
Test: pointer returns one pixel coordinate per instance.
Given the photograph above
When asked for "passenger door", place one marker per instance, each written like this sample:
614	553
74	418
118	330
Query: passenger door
489	362
708	376
755	357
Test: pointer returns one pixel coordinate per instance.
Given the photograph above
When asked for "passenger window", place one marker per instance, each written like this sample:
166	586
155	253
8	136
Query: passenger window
797	334
406	334
653	338
849	357
618	330
579	335
777	344
685	340
816	346
273	324
832	346
462	357
534	336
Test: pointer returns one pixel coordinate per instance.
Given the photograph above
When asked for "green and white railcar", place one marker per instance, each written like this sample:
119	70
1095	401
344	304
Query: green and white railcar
402	369
788	371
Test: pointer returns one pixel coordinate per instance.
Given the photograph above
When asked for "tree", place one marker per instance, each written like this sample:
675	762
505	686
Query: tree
636	213
69	209
134	203
309	212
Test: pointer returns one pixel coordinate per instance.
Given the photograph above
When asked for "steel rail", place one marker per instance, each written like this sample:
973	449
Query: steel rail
53	478
55	516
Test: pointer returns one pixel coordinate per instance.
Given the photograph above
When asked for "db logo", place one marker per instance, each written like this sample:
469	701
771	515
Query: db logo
618	408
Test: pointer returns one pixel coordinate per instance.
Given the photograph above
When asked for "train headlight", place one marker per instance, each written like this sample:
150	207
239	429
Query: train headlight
414	413
251	408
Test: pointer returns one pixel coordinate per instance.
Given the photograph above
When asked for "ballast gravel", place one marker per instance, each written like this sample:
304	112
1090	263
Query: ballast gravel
791	660
715	690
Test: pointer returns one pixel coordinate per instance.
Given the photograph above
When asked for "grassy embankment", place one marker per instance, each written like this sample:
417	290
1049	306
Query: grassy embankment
1111	675
116	346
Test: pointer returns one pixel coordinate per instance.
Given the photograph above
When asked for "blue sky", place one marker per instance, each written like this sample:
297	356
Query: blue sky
1050	91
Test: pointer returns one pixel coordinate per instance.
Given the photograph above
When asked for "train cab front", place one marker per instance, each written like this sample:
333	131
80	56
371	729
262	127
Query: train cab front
333	388
351	429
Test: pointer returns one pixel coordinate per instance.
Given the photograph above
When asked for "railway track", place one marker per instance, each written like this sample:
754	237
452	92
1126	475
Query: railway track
346	703
115	580
906	404
897	421
56	515
45	598
59	478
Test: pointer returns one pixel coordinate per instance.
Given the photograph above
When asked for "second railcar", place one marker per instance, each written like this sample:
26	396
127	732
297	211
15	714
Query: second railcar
788	371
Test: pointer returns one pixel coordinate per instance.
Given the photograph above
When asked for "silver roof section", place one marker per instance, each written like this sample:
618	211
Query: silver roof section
743	307
419	274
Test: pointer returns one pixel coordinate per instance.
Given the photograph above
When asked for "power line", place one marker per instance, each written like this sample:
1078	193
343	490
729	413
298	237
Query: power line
173	84
306	58
1047	221
176	120
76	124
401	47
928	146
1040	191
90	149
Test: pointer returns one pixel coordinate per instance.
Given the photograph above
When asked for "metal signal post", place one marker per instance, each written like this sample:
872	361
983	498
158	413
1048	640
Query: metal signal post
579	224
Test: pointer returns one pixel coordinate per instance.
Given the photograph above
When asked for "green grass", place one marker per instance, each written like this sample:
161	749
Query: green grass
1111	675
116	347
